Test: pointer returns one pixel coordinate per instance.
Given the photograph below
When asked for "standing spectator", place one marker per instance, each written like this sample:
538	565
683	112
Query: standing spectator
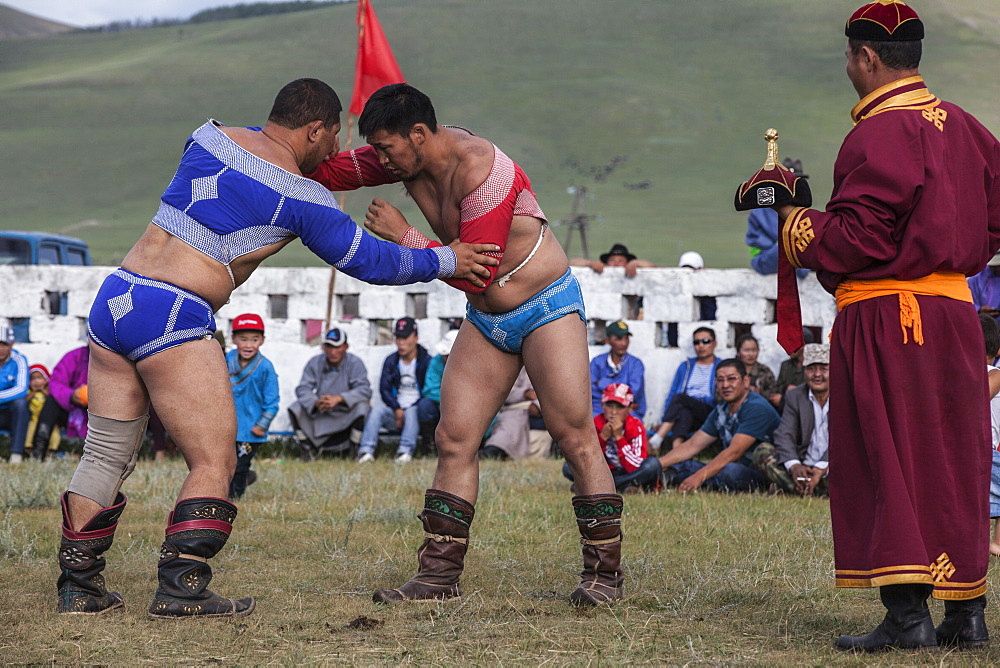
762	233
618	256
791	373
403	375
40	441
623	440
14	415
798	461
691	260
991	336
985	287
617	366
762	379
741	421
429	411
332	399
255	393
692	393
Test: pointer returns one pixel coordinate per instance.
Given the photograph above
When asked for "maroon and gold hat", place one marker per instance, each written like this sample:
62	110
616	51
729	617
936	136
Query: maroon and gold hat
885	21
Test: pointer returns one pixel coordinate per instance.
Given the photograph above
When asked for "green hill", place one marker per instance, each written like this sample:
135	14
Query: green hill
657	106
15	24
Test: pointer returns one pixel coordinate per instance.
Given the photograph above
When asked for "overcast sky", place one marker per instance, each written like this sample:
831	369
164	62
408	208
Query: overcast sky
82	13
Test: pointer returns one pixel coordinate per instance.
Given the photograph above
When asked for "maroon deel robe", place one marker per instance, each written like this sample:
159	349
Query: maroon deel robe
916	192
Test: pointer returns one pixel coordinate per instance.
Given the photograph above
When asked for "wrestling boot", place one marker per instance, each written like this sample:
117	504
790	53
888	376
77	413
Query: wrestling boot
197	529
441	557
81	585
599	517
964	624
907	623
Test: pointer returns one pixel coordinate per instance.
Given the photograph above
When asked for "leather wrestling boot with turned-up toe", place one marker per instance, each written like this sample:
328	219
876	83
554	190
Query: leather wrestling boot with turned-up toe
441	557
196	530
599	517
81	562
907	624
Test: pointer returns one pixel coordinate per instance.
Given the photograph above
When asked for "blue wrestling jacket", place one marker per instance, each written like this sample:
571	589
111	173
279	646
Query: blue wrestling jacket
227	202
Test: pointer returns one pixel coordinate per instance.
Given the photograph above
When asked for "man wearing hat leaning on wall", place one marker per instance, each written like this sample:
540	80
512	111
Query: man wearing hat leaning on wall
14	375
617	256
915	209
331	399
798	461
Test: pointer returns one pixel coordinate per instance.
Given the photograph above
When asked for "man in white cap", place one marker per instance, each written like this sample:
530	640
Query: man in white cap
331	399
798	462
14	377
691	260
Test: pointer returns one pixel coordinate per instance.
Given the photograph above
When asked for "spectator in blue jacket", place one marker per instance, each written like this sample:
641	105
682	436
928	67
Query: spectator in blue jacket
429	408
762	233
617	366
692	394
14	377
404	373
256	394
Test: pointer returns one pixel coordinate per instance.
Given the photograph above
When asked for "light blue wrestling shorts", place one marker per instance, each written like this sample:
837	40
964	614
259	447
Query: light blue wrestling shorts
507	331
137	316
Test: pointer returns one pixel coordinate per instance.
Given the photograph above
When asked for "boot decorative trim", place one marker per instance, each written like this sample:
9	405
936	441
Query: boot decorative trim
441	505
194	525
438	538
608	541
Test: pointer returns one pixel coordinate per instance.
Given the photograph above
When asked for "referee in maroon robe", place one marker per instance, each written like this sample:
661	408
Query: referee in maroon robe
915	210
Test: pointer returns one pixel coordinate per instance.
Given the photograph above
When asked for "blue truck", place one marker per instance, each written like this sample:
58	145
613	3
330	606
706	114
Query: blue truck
42	248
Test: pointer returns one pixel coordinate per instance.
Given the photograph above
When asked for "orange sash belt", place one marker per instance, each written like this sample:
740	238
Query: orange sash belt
940	284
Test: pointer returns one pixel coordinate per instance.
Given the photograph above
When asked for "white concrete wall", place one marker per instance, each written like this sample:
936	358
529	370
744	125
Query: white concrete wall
669	295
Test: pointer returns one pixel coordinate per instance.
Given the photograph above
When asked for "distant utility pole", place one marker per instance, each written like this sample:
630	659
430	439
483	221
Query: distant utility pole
578	221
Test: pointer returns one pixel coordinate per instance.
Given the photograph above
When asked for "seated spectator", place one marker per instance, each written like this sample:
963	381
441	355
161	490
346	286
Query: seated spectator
797	463
762	233
68	388
617	366
403	375
791	374
429	412
991	337
692	393
40	441
623	440
255	393
14	415
691	260
618	256
331	399
985	287
741	421
510	436
762	379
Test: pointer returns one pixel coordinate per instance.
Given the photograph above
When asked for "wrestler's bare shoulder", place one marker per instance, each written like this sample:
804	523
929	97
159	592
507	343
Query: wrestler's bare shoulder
475	157
254	141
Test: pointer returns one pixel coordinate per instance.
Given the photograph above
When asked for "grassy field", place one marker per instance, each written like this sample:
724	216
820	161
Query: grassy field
657	107
712	579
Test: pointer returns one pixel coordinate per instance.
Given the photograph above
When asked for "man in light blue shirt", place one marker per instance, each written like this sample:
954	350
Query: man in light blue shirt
14	377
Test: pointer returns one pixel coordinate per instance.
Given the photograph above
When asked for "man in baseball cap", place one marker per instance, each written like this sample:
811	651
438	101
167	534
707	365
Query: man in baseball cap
14	377
618	366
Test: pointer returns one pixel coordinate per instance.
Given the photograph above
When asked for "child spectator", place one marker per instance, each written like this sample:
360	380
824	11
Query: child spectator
255	392
623	440
38	396
991	335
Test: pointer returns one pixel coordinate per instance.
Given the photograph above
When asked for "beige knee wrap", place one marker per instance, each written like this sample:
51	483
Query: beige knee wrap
109	456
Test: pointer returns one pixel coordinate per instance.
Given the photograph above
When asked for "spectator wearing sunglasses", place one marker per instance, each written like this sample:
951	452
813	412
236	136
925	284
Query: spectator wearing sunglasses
692	394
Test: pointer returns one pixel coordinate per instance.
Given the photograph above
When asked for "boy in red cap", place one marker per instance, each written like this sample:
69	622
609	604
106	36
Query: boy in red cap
256	394
38	395
623	441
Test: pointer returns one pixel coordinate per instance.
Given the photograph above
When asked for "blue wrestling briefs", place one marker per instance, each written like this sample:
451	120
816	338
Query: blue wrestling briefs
507	331
137	316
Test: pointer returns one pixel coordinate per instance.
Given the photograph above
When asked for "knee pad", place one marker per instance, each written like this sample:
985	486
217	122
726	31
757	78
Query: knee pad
109	457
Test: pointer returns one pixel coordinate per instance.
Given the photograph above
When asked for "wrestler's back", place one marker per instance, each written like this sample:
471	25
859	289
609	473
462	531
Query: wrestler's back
162	256
440	202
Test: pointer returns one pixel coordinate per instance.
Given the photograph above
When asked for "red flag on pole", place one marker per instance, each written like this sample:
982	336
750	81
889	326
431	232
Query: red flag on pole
375	66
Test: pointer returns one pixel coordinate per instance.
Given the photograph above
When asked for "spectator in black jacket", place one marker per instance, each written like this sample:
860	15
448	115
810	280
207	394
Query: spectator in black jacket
403	374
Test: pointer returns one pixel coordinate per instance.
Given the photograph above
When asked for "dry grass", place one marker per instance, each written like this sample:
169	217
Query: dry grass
712	579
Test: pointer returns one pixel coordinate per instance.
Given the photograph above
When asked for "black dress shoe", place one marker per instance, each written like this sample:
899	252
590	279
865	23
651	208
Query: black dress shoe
964	624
